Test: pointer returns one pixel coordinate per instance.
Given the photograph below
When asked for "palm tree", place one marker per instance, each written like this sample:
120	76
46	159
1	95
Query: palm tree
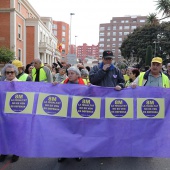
164	7
152	19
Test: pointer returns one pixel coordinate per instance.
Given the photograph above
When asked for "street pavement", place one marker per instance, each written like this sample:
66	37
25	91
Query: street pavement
125	163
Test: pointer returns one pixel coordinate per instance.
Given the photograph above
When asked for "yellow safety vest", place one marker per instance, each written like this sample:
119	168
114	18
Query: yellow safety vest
165	80
42	75
23	77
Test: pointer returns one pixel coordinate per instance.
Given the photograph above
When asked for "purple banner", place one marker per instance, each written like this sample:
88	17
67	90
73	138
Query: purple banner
43	120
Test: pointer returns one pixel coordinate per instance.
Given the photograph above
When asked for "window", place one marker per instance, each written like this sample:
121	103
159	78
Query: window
133	27
19	32
126	27
108	28
120	44
101	45
101	33
126	33
114	27
114	21
108	39
63	34
19	7
120	27
142	20
108	34
113	45
108	45
114	39
122	21
120	39
102	28
114	33
120	33
101	50
63	40
40	36
101	39
63	51
19	54
126	21
64	27
54	26
55	32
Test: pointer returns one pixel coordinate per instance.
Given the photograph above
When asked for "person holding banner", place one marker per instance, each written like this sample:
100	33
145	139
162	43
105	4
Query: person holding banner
153	77
10	72
74	77
106	74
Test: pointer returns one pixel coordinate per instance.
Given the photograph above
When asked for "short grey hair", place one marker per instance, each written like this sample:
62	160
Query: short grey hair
75	69
9	66
38	59
84	72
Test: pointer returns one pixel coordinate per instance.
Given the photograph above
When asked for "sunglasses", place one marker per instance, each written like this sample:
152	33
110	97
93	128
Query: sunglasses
10	72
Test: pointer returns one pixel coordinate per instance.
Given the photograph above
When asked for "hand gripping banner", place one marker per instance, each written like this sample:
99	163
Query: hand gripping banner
43	120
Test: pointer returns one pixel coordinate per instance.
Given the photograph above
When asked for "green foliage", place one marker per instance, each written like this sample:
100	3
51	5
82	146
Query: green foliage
6	55
148	55
142	37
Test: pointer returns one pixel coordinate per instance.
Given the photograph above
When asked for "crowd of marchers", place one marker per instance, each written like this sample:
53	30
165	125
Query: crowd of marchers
105	74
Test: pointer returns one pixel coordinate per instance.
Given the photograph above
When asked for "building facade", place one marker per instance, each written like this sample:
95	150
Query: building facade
61	32
112	34
87	51
27	34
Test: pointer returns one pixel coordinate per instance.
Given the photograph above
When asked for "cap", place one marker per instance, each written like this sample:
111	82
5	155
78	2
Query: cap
157	60
107	54
17	63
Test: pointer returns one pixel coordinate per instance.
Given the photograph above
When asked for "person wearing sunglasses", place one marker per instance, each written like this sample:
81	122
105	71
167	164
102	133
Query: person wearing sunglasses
10	72
106	74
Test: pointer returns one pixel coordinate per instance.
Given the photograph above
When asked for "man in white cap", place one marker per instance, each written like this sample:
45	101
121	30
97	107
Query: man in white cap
153	77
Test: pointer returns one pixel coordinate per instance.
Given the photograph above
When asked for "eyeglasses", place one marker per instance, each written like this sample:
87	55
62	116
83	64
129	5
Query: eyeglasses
9	72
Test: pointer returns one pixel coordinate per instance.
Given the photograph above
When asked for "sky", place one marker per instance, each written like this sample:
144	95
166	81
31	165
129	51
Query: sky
89	14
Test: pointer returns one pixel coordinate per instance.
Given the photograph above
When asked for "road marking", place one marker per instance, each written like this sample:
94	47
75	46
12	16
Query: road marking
6	165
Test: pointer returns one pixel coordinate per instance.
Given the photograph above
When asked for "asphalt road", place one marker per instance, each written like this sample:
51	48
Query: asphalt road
88	164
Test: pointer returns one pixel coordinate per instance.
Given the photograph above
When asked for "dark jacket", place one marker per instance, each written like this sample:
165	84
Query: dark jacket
110	78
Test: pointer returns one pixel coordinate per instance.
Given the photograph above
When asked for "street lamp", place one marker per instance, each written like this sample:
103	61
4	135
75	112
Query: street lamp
75	43
70	31
155	42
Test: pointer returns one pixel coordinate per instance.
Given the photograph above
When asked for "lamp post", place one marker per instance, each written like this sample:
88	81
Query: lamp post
70	31
155	42
75	44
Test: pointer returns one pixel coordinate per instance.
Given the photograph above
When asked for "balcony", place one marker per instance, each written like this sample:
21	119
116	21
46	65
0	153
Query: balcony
45	46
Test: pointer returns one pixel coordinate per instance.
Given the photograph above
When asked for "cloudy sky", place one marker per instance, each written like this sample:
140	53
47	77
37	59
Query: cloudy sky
89	14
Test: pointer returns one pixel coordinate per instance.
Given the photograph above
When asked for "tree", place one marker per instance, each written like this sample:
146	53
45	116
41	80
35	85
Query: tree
148	55
152	19
164	7
6	55
142	37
